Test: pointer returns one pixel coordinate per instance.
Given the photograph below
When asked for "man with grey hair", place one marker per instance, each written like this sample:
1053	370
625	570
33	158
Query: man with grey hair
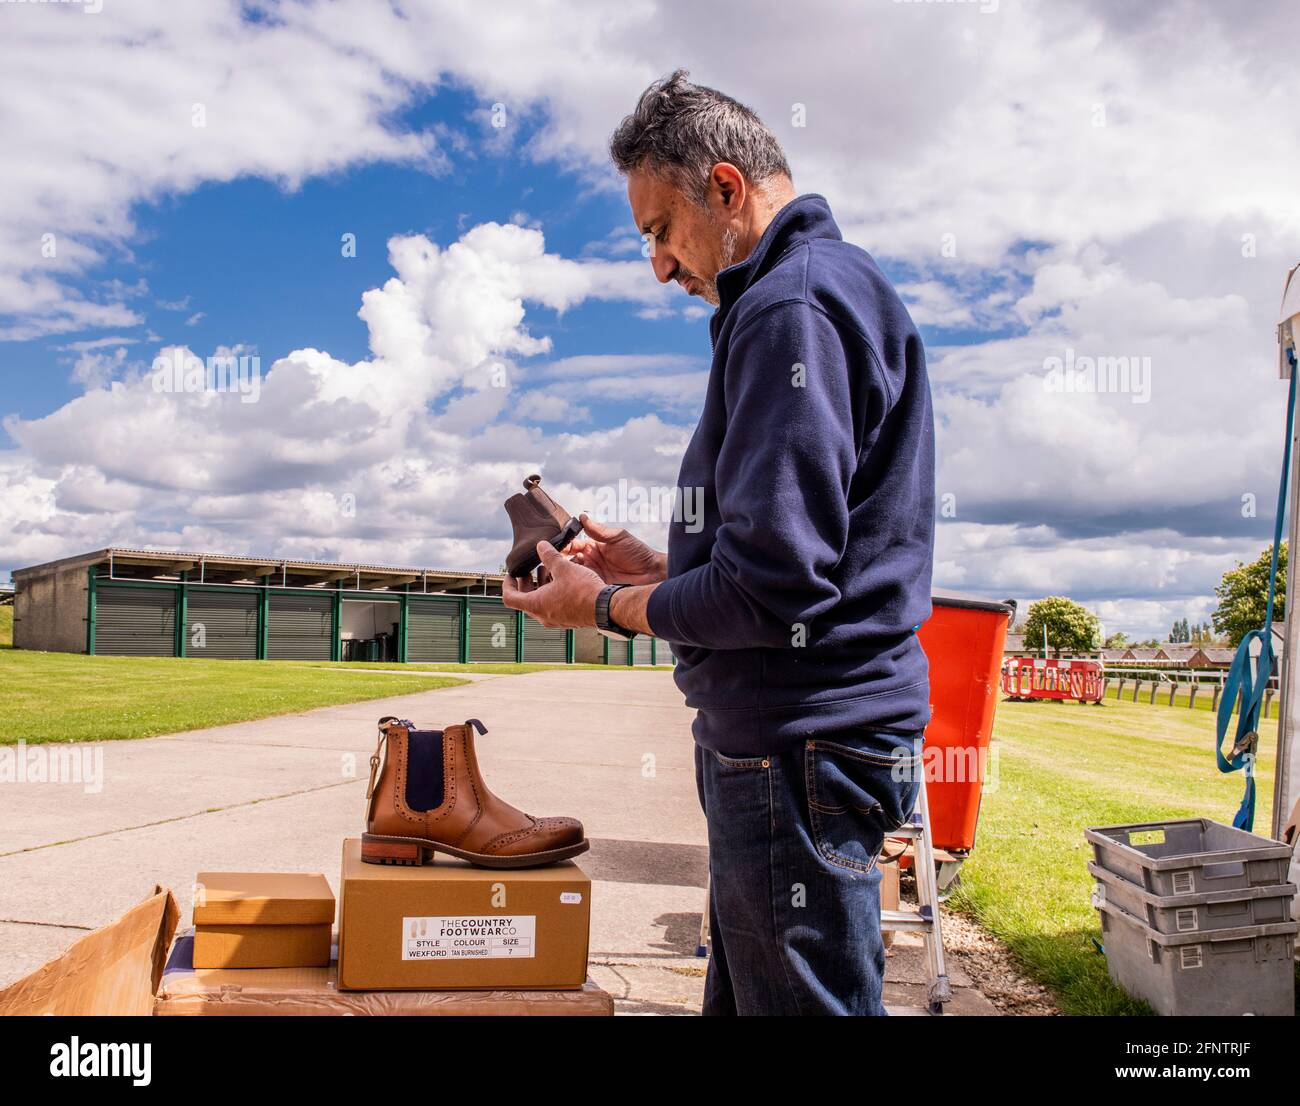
793	610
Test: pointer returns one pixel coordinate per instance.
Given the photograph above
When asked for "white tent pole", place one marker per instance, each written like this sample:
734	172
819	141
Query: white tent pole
1286	783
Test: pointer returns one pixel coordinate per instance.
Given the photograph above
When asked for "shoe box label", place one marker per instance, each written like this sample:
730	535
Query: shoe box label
463	937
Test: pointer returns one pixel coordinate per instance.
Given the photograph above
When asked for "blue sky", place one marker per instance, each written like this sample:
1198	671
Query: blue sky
273	276
1124	209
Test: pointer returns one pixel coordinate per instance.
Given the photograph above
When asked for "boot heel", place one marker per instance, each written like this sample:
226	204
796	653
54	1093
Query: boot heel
379	851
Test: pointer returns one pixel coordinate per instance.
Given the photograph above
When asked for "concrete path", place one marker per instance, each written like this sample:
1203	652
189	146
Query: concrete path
613	748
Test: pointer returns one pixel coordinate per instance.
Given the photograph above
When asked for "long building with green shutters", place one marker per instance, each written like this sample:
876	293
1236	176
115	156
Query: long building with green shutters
150	603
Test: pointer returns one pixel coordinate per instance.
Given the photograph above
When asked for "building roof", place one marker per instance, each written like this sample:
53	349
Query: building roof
227	568
1218	655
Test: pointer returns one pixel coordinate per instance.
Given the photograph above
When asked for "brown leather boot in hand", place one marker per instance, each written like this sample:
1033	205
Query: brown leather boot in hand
431	798
536	517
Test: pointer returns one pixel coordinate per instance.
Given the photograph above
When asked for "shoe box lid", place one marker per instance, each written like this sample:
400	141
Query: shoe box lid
262	898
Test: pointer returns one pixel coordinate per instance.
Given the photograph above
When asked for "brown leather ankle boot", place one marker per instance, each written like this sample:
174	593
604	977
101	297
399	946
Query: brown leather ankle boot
536	517
431	798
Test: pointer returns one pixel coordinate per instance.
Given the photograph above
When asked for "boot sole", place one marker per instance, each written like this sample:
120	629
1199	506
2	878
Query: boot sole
376	849
571	530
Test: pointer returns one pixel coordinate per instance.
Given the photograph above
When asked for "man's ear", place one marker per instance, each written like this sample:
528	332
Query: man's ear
729	184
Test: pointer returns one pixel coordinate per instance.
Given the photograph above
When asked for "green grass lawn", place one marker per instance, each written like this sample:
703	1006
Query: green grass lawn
1182	696
1062	767
69	697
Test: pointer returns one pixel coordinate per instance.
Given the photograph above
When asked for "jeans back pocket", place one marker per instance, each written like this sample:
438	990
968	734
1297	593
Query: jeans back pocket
856	797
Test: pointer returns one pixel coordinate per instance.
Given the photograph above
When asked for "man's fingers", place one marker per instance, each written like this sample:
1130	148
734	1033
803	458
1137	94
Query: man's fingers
518	598
550	556
599	530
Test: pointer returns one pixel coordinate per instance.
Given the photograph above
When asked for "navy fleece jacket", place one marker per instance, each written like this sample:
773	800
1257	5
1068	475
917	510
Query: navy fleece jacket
792	601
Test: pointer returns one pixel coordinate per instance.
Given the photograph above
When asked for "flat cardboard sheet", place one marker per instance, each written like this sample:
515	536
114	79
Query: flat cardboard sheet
113	971
186	990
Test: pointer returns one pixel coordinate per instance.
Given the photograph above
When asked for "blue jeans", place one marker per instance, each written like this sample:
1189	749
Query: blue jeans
794	903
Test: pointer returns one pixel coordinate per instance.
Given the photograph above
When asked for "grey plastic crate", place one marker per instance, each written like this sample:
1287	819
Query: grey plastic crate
1247	970
1189	856
1199	913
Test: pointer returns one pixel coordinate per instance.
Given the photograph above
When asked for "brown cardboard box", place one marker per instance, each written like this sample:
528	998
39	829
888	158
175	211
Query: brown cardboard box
450	926
262	920
313	992
262	946
263	898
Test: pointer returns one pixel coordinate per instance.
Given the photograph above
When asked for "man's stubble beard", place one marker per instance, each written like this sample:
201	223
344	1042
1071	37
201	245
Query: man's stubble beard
709	291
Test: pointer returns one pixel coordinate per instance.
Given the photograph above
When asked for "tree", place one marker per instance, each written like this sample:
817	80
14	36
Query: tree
1243	596
1117	640
1069	626
1181	633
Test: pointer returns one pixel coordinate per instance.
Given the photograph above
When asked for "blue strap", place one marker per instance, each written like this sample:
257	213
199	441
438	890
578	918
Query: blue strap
1241	683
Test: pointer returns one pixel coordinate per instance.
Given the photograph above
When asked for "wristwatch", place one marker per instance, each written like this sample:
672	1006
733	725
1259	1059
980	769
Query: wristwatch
604	622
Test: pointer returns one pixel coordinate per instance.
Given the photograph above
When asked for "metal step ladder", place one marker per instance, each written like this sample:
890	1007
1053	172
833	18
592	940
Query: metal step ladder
925	917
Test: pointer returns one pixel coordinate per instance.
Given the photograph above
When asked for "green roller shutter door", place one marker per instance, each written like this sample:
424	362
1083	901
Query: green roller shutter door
491	631
641	649
301	628
616	650
229	625
433	631
664	652
135	622
543	646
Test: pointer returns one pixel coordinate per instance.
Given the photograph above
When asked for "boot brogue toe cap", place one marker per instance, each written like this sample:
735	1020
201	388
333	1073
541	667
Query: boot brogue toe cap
542	836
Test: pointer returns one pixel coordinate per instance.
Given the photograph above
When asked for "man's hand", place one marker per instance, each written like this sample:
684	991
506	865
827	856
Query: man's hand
616	556
567	598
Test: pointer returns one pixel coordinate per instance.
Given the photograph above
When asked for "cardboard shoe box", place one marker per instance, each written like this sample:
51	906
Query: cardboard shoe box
262	920
449	926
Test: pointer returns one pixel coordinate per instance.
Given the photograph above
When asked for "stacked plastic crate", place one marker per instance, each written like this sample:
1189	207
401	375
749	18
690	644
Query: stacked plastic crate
1195	916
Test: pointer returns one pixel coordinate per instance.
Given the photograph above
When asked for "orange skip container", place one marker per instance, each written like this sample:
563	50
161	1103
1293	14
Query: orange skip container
963	641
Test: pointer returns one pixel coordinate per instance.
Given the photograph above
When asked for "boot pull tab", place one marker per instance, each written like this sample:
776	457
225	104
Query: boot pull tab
375	757
482	729
532	482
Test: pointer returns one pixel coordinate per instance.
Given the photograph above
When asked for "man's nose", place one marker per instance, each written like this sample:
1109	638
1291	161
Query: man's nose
664	265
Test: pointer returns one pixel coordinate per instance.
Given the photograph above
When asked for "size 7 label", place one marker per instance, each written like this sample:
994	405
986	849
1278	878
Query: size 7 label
469	938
